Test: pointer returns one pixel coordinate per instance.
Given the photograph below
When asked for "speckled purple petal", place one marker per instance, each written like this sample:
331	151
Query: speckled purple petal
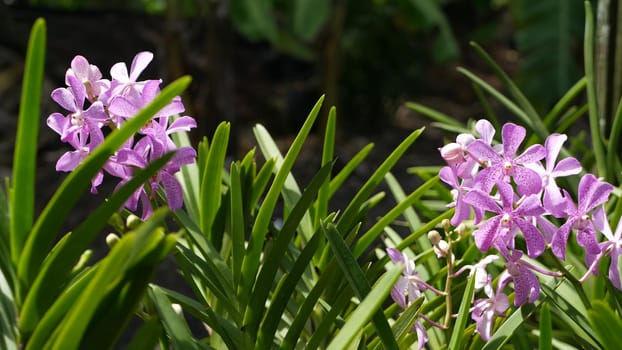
512	136
485	235
527	181
533	238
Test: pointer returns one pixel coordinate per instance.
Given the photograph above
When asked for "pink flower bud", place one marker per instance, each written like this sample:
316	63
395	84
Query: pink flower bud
453	153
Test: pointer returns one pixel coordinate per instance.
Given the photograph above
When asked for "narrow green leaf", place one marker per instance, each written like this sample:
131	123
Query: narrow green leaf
238	225
53	316
434	114
211	180
563	102
606	325
367	310
222	326
261	181
130	249
347	218
592	98
404	324
189	178
25	156
328	150
463	315
545	341
46	227
214	263
281	296
368	237
535	119
291	190
175	326
348	169
264	216
358	282
274	258
511	106
57	267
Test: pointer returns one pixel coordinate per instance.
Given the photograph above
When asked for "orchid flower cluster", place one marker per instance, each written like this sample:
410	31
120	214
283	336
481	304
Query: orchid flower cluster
94	103
509	194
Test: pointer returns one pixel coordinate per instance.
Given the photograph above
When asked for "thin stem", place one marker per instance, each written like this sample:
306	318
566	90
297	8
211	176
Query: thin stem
448	299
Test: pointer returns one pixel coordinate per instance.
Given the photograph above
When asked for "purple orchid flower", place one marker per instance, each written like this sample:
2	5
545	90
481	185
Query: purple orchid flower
408	288
486	310
592	193
460	188
89	120
499	230
456	154
552	198
612	248
71	159
89	75
126	84
502	167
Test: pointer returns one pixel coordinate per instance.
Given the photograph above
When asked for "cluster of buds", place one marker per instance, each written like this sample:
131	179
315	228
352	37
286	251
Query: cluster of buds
94	103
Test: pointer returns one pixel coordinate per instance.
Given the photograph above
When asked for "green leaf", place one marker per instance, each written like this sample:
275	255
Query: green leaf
434	114
125	254
22	193
404	324
264	216
49	222
328	150
175	326
238	224
360	285
291	190
189	178
57	267
211	180
367	310
309	16
348	169
606	324
592	98
229	333
146	337
545	341
283	292
53	316
274	258
347	218
368	237
463	315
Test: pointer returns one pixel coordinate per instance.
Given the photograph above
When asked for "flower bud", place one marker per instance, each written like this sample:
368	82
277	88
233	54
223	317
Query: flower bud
434	237
132	221
461	229
453	153
178	309
112	239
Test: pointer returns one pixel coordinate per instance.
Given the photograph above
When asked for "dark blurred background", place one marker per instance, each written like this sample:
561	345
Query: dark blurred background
268	61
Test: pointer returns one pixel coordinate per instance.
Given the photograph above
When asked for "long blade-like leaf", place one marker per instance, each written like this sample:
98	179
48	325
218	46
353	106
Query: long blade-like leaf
358	282
25	157
276	254
366	310
262	221
56	268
